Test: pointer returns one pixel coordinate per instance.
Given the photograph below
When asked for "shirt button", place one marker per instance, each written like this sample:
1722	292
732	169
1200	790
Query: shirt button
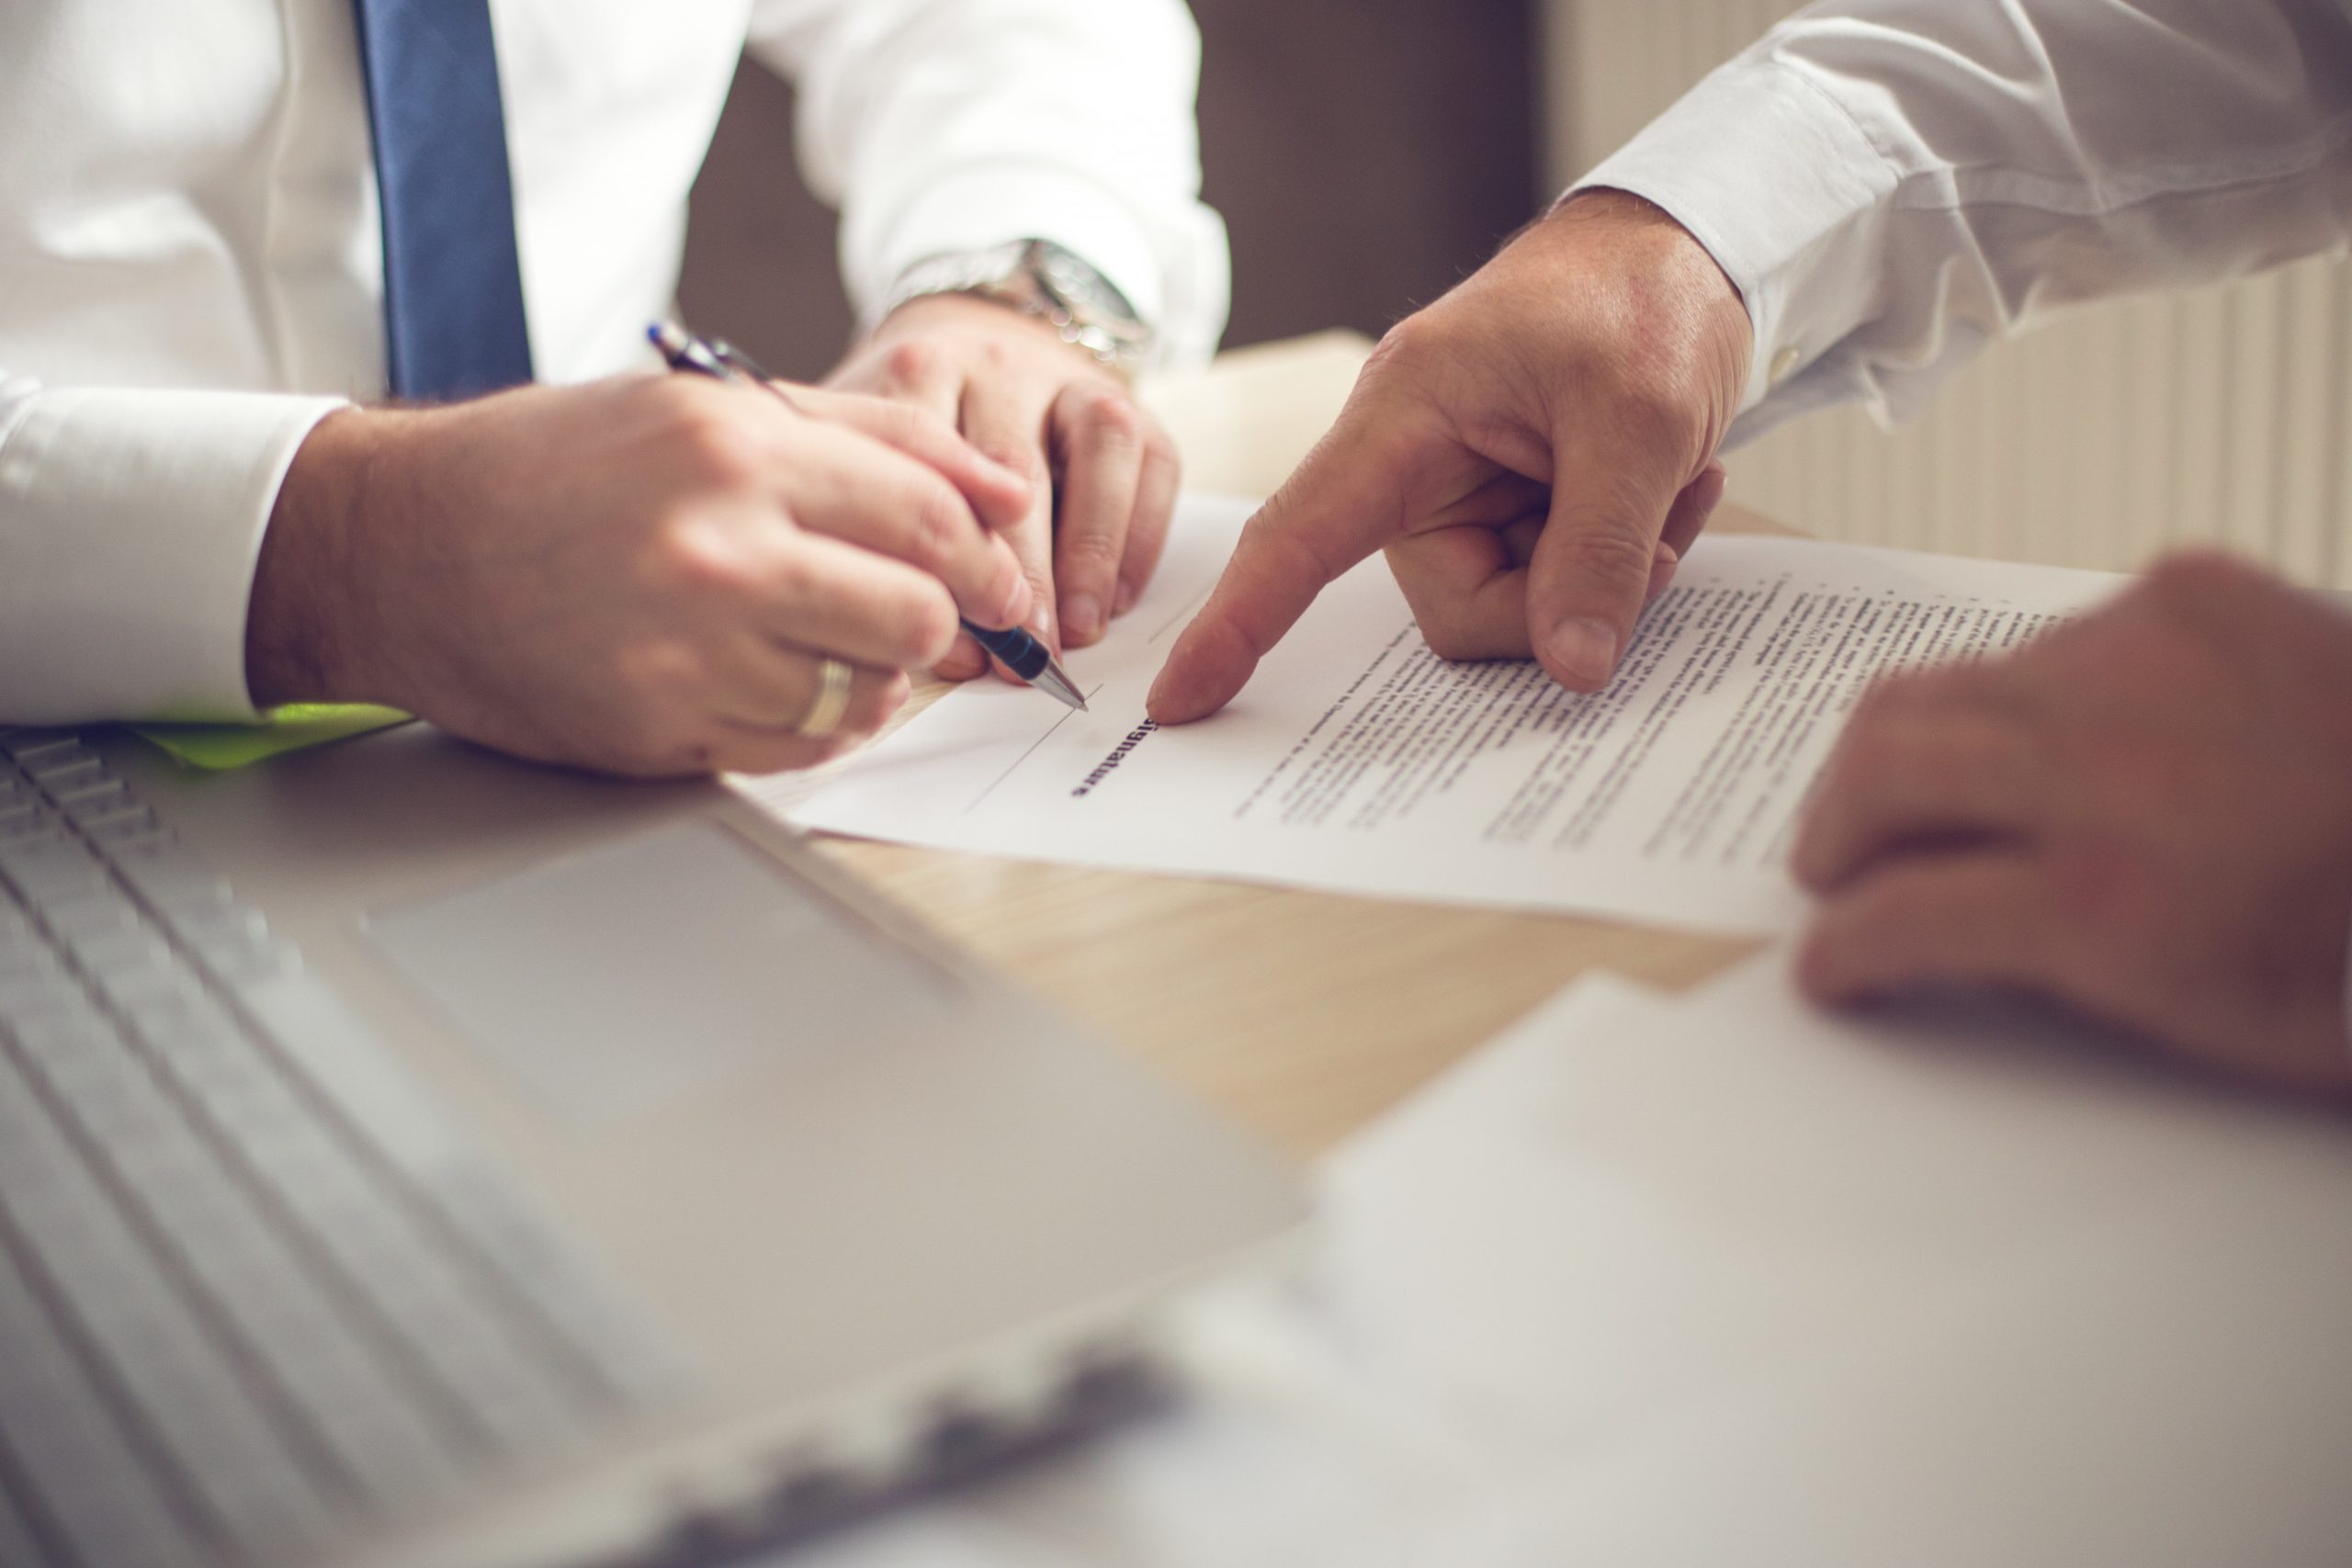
1784	363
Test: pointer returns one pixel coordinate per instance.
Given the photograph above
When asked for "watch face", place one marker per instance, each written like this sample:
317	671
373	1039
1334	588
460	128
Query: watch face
1089	295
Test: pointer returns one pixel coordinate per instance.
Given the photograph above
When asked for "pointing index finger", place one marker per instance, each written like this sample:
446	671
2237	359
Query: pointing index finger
1344	503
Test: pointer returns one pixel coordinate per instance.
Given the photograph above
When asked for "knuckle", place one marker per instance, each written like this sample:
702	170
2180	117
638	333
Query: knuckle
654	674
2192	586
1109	420
1093	550
1656	416
792	578
1404	344
785	581
721	448
710	569
2196	574
1289	553
2212	593
1026	458
687	553
675	398
926	629
1615	557
941	526
913	362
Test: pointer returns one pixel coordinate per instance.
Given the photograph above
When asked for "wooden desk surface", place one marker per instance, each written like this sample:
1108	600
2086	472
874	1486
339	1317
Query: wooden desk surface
1301	1015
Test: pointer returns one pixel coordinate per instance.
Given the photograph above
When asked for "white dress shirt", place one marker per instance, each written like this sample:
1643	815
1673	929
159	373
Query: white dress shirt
1892	184
191	266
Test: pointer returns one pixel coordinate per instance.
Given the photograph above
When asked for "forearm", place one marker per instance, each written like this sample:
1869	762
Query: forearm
1893	183
304	637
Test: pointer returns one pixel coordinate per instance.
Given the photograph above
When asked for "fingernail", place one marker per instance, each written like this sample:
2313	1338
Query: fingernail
1082	616
1584	650
1124	600
1815	970
1663	566
1016	608
965	661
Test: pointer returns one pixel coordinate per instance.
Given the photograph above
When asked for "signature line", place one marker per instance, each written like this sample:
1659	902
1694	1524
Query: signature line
1025	755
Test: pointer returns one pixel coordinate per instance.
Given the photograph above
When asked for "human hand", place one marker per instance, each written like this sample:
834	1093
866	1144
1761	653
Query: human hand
1534	451
1103	473
641	575
2146	814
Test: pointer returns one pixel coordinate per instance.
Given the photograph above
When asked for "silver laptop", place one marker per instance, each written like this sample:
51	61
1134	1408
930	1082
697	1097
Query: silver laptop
408	1157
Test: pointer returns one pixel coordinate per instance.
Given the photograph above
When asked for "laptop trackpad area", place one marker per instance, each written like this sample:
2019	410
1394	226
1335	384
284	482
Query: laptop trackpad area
640	975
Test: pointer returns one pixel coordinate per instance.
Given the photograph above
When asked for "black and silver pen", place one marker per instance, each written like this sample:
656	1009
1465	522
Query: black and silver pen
1013	648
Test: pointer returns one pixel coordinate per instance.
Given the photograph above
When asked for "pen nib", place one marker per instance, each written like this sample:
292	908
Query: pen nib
1051	679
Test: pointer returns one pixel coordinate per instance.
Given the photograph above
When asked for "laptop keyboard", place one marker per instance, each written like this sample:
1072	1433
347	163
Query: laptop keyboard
254	1289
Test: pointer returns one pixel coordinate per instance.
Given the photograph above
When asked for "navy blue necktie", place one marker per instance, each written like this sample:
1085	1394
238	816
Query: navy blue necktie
453	287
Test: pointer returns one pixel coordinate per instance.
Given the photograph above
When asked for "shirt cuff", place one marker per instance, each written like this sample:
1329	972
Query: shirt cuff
1779	183
130	523
1178	287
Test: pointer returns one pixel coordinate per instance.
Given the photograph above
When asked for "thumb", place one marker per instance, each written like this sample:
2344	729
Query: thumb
1590	576
1346	501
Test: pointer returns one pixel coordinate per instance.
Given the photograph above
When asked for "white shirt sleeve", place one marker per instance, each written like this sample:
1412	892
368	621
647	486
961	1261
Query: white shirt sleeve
951	125
130	521
1893	182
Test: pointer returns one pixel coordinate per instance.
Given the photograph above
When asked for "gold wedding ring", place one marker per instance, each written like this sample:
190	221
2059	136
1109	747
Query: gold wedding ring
831	701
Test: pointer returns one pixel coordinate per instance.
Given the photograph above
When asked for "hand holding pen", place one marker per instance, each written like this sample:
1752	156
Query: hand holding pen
1014	646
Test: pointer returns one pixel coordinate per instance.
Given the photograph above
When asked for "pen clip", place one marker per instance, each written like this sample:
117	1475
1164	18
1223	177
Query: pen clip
727	354
716	358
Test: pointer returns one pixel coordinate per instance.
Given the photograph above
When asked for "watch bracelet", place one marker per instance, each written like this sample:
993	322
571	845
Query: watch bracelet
1023	285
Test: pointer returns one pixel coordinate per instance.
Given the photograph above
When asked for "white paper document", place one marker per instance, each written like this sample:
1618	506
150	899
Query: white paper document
1359	762
1730	1280
1738	1280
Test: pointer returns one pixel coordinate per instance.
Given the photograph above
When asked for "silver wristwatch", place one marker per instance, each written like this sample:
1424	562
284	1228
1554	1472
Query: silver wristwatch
1039	278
